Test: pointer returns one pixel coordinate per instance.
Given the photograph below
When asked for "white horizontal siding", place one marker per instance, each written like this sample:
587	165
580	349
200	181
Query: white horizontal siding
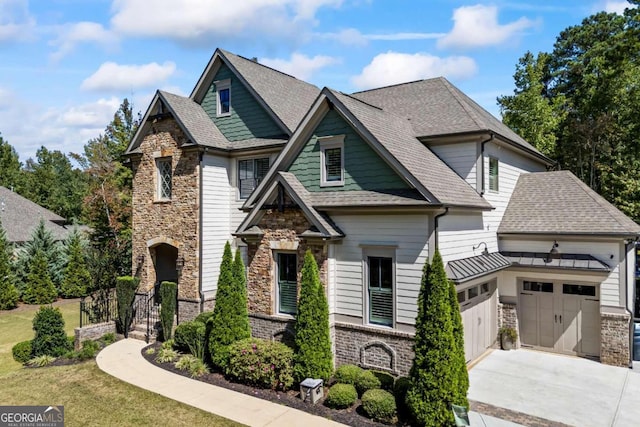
216	217
409	233
459	233
460	157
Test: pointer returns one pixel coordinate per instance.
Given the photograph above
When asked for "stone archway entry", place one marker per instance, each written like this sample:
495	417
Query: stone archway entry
164	263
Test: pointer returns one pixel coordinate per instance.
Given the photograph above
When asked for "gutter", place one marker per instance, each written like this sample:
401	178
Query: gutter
482	144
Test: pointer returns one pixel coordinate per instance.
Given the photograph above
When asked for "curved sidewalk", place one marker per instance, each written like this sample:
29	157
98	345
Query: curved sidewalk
123	360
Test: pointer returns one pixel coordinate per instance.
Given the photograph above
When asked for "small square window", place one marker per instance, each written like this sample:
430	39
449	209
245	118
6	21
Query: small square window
473	292
332	161
461	297
484	288
493	174
223	98
164	178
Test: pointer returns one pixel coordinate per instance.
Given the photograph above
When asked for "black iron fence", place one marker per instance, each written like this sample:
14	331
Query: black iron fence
146	311
98	308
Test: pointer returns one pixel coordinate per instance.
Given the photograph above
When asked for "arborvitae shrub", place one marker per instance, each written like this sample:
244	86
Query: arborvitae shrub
347	374
22	352
190	337
204	316
168	308
8	293
126	287
313	357
39	288
433	377
341	396
262	363
229	322
458	358
50	338
379	405
366	381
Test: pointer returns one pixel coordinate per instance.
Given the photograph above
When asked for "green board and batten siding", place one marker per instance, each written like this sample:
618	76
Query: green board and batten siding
363	168
248	119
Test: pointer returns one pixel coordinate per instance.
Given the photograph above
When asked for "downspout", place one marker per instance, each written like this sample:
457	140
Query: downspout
627	247
435	225
200	228
482	144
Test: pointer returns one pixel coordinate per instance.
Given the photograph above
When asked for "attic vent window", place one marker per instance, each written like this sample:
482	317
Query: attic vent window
332	161
223	98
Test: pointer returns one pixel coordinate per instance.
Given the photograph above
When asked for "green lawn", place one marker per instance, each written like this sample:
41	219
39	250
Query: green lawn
89	396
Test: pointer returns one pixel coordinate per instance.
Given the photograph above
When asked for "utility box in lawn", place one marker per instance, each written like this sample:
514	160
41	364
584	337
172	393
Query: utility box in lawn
311	390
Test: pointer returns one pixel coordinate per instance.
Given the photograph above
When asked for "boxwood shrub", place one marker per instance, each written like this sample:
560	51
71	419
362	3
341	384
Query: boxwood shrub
347	374
22	352
261	363
190	337
386	380
341	396
379	405
366	381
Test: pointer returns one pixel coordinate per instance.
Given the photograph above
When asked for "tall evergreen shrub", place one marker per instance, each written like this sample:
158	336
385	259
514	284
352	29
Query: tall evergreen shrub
41	240
168	295
8	292
229	322
458	359
433	376
126	293
39	288
50	338
313	356
76	274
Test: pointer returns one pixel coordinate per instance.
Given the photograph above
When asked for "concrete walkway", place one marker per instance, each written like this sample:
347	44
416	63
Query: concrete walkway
563	389
124	361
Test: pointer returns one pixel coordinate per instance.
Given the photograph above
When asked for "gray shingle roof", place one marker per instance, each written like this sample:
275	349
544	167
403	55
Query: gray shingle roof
397	136
288	97
473	267
559	203
20	216
435	107
367	198
563	261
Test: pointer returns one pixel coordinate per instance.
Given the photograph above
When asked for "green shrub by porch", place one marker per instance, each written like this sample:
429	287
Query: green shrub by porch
367	380
458	359
168	294
348	374
50	338
433	375
8	293
341	396
126	287
262	363
229	322
313	356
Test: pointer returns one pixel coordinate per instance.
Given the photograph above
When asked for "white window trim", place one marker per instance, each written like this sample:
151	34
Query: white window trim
328	143
236	172
497	189
222	85
384	252
158	192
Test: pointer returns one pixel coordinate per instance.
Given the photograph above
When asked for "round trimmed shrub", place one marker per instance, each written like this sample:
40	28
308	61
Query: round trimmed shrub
379	405
347	374
190	336
262	363
386	380
341	396
50	338
22	352
366	381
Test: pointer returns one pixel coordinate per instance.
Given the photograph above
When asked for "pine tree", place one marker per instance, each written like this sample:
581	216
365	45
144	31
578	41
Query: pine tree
227	326
39	286
43	240
458	359
432	376
8	292
313	356
76	276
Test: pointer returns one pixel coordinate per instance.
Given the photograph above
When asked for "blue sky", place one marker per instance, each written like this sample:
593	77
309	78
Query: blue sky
66	65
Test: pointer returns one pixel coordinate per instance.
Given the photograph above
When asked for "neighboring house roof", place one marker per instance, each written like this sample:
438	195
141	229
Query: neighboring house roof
20	216
435	107
462	270
563	261
560	203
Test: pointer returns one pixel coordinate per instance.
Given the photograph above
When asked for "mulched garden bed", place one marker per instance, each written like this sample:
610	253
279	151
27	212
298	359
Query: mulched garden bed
291	398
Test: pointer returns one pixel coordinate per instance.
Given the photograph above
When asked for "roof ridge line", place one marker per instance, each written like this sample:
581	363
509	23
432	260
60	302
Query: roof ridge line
226	52
599	199
464	105
397	84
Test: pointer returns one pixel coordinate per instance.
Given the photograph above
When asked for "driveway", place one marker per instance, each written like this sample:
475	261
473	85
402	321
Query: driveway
564	389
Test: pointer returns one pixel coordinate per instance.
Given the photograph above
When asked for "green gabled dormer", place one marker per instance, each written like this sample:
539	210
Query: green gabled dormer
336	158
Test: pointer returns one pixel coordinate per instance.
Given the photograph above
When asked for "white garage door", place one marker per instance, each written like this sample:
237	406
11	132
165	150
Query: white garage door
478	309
561	317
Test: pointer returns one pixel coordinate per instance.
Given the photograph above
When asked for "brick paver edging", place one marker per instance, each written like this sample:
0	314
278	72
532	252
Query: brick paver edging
513	416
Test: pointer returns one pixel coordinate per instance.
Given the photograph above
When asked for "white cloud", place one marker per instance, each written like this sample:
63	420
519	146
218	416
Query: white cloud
70	35
94	115
199	21
299	65
352	36
112	76
16	23
613	6
477	26
392	68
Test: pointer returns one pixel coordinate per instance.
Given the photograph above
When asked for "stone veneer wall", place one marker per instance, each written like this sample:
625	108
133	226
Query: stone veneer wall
508	318
614	339
281	231
92	332
174	222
